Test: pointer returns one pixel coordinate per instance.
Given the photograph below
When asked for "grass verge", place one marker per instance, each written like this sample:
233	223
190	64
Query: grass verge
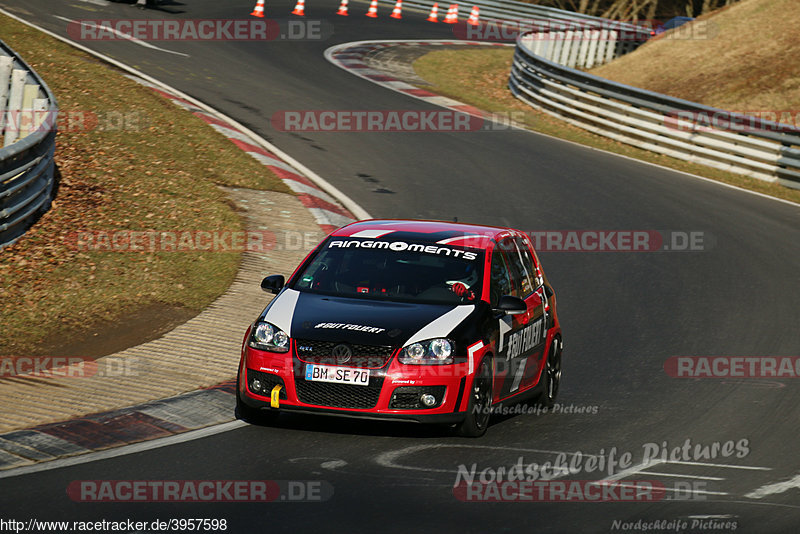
129	160
479	77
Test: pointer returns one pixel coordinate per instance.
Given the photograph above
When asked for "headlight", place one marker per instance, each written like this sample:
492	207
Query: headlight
266	336
431	351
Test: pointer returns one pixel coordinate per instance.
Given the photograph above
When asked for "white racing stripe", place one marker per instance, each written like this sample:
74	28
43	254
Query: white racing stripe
442	326
281	311
457	238
372	234
471	355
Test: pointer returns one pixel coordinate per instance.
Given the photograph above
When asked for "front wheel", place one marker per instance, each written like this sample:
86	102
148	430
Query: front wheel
480	403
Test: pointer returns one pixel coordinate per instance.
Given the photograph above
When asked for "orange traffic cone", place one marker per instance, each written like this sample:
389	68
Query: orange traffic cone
342	8
300	8
398	7
258	11
373	9
452	14
473	17
434	16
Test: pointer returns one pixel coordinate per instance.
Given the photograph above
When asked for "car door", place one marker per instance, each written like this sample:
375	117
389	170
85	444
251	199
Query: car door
535	297
518	334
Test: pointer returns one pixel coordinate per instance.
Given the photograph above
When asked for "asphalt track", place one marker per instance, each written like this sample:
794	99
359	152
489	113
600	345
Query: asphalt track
623	314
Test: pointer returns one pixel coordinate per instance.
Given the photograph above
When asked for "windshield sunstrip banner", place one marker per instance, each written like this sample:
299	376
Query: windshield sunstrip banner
402	246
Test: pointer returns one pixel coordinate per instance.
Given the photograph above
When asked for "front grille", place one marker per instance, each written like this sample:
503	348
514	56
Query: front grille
339	395
407	397
266	382
365	356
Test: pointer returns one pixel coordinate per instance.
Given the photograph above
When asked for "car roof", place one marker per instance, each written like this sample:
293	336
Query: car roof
426	231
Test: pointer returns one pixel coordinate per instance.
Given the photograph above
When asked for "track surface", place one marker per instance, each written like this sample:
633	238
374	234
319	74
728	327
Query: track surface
624	314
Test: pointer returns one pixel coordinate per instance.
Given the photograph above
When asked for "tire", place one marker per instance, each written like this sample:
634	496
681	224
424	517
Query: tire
480	403
251	415
551	375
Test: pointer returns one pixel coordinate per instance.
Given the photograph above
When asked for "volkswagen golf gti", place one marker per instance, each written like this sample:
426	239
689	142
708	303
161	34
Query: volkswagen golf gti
425	321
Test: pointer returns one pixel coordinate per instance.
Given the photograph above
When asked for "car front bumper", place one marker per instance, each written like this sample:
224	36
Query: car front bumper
390	395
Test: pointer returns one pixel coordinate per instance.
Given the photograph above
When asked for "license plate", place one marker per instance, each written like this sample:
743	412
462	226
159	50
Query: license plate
337	375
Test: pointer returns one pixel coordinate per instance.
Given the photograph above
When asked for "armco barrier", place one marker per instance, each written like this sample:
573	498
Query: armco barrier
591	40
28	114
511	10
685	130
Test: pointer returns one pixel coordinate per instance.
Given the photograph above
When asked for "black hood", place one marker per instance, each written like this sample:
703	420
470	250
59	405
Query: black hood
361	321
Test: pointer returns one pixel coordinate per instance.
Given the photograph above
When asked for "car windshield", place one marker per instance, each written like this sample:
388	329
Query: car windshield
398	271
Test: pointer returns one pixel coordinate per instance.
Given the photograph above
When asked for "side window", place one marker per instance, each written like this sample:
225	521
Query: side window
501	281
515	271
527	266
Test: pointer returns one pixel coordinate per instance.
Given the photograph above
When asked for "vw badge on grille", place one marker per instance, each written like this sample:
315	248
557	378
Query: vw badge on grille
342	353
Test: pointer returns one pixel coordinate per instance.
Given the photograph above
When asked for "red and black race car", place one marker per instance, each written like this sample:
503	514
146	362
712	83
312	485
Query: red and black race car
399	319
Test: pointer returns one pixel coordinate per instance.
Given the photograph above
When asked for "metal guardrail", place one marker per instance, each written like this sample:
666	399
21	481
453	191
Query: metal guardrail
592	40
729	141
514	11
583	48
28	113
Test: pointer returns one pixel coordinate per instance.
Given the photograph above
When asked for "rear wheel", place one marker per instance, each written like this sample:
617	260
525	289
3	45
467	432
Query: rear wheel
480	403
552	375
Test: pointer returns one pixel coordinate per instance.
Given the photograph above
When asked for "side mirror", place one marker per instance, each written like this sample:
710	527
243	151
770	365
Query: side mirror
273	284
511	305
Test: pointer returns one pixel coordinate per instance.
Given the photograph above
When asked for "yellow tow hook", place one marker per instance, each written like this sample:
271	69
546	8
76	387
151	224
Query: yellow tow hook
274	397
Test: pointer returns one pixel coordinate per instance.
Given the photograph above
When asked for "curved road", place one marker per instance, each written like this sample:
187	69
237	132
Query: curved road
624	314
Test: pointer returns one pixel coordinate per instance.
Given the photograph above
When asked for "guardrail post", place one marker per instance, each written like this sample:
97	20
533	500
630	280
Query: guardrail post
15	94
611	47
586	38
544	43
590	55
558	42
565	50
26	120
6	64
572	60
600	56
